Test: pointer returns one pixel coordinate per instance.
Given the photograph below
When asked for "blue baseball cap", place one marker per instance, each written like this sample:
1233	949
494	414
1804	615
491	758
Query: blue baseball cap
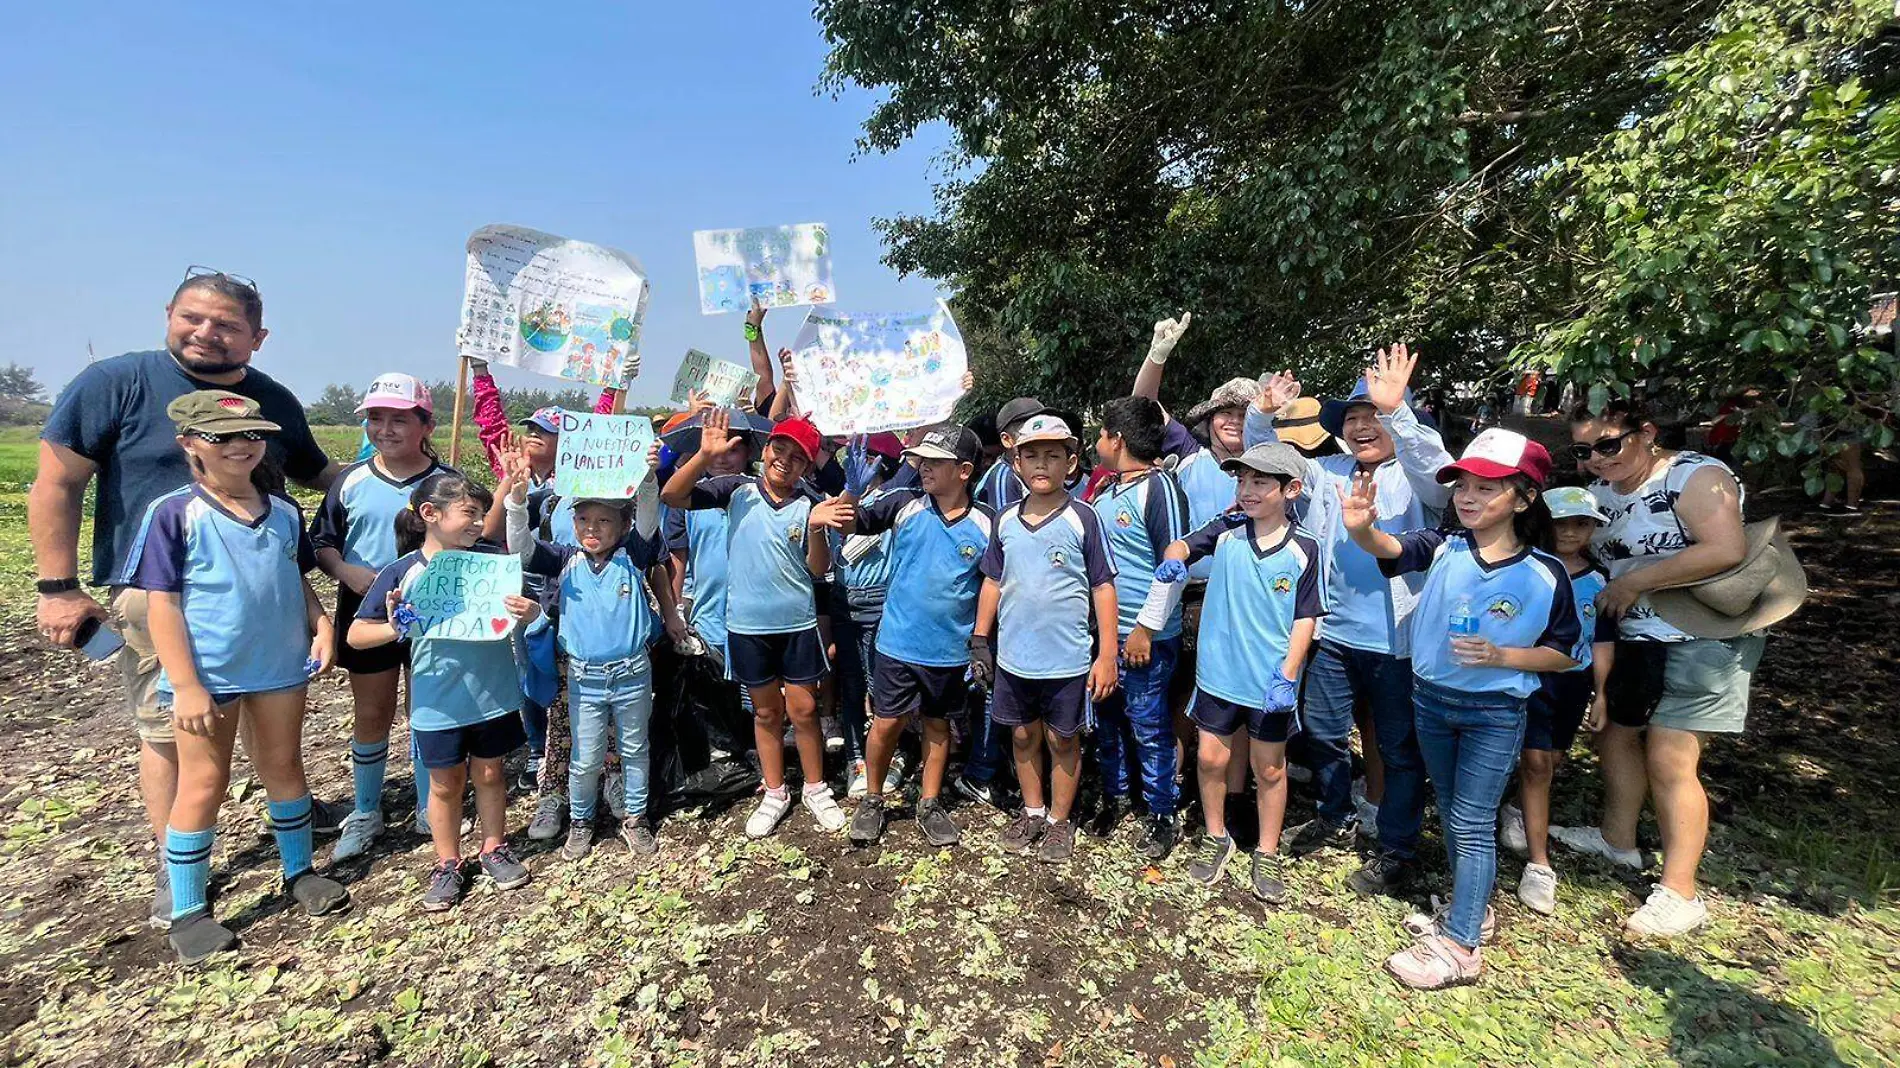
548	419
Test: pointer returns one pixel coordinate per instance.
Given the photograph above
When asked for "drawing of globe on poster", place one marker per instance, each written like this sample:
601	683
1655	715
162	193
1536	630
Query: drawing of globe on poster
561	308
776	266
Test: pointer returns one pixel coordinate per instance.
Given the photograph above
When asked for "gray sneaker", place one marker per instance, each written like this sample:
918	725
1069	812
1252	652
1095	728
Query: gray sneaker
197	936
160	917
639	837
1267	878
1215	854
1022	835
580	840
939	829
548	812
445	886
867	823
505	868
1058	842
319	896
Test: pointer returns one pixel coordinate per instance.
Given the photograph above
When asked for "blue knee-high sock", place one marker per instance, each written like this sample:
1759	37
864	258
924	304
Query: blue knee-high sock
290	822
369	762
422	776
188	861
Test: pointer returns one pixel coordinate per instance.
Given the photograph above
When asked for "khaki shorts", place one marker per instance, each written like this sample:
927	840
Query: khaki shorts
1705	684
139	663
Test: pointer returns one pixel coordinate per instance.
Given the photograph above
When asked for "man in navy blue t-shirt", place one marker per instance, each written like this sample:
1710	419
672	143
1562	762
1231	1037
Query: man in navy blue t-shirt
110	423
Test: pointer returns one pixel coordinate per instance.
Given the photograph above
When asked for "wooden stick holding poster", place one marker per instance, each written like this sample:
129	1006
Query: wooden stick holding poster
455	425
865	373
460	595
602	456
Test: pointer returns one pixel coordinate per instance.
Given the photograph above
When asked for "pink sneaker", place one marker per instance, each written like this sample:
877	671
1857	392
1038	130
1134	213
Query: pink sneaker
1435	962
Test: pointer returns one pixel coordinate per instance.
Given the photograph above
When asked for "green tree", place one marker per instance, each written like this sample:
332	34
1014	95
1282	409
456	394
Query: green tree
18	382
335	406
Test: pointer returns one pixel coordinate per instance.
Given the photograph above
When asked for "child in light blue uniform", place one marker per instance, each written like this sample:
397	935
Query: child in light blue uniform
1047	568
1264	599
1362	641
465	696
606	626
354	532
223	563
1496	610
1142	512
1564	699
774	547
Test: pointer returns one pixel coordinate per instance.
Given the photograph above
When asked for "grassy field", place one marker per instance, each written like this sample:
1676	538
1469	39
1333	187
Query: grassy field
798	951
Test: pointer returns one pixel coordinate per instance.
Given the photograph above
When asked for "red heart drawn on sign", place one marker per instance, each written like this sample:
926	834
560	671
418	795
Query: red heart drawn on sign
499	625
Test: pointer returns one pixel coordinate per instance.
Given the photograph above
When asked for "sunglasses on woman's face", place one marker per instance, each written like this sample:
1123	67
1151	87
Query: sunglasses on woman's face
1604	447
218	439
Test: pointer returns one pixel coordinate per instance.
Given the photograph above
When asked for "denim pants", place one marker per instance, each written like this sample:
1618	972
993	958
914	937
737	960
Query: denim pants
1137	720
1335	676
856	640
1470	742
620	691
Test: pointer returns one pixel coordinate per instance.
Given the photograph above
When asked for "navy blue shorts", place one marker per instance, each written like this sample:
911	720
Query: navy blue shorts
1058	703
763	659
1217	715
491	739
900	688
1555	712
363	661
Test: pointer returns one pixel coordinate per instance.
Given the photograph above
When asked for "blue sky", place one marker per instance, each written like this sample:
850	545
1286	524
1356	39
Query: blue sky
340	154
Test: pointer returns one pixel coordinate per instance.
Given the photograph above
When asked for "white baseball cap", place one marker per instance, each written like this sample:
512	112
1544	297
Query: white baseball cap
1574	502
397	390
1046	427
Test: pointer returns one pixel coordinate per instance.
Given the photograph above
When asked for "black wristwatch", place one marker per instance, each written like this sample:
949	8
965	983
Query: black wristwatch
48	587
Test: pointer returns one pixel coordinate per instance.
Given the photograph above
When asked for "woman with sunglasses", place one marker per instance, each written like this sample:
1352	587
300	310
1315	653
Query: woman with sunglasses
1674	517
223	562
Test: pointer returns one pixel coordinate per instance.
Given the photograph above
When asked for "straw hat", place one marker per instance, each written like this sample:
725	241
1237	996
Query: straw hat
1764	589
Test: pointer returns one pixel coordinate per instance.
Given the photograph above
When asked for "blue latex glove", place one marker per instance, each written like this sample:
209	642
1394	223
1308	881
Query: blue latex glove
860	466
310	666
405	619
1171	571
1283	694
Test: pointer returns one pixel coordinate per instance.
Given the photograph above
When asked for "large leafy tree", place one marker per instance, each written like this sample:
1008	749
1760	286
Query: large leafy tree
1314	178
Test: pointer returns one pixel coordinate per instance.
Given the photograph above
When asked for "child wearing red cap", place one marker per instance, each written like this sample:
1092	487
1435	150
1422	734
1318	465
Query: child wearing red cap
775	544
1496	609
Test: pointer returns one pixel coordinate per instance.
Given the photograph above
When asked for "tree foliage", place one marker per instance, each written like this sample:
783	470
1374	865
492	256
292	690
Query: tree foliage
18	382
1620	188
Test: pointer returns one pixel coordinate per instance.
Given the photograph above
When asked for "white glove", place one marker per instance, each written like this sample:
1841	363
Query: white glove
1167	335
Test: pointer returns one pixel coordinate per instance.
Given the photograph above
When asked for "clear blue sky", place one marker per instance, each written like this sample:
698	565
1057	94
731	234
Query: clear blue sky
340	154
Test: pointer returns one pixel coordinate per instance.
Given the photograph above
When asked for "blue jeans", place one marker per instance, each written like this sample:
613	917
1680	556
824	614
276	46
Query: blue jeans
856	641
620	690
1335	676
1137	719
1470	742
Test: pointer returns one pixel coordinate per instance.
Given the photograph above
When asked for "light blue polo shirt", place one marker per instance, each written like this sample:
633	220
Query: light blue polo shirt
1584	587
604	611
1141	518
551	516
1522	602
240	585
452	683
1210	490
702	537
1000	487
1047	572
1260	585
358	515
768	588
936	573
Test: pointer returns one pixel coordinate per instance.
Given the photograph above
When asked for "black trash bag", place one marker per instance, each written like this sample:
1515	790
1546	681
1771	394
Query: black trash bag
695	712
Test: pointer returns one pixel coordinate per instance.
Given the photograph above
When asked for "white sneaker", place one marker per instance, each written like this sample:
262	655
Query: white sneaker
1537	889
1667	914
1590	840
614	786
1423	925
900	770
359	830
823	808
860	779
834	735
765	819
1511	832
422	825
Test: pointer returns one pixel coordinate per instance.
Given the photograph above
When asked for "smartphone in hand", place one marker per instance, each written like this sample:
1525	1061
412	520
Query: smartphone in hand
97	640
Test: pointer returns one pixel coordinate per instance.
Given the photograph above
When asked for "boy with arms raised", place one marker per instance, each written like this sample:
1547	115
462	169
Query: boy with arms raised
1263	599
938	540
1046	567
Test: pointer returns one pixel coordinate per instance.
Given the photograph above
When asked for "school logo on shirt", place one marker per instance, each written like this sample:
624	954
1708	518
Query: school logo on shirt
1124	520
626	590
1504	607
967	551
1058	558
794	531
1283	584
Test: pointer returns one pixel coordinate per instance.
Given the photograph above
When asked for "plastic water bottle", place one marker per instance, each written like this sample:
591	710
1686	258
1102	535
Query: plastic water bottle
1464	622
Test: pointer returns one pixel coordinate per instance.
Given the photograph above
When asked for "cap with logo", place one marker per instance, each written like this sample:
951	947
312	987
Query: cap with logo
217	411
1574	502
1268	458
546	419
1500	453
1046	427
800	432
397	390
948	441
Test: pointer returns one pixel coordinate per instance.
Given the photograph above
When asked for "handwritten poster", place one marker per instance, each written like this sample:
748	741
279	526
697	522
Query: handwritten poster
777	266
561	308
866	373
723	382
459	595
602	455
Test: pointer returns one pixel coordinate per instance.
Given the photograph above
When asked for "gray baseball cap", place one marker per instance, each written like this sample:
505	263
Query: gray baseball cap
1269	458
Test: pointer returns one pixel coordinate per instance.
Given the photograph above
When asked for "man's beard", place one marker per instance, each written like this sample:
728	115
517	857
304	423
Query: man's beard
200	366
